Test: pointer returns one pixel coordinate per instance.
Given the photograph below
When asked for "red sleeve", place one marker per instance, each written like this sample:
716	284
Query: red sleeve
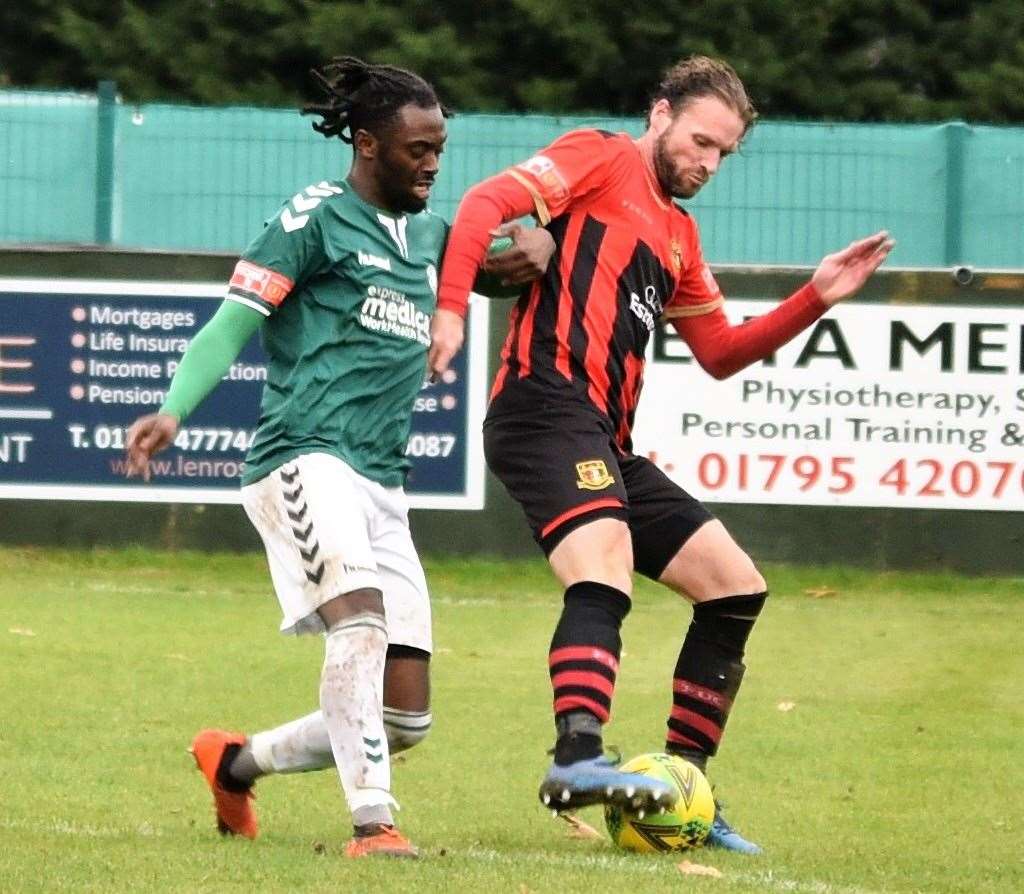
571	167
484	207
723	349
544	186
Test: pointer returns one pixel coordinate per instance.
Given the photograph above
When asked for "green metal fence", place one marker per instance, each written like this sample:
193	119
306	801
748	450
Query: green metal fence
48	174
88	168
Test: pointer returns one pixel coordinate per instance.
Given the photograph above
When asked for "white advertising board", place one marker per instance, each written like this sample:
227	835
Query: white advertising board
875	405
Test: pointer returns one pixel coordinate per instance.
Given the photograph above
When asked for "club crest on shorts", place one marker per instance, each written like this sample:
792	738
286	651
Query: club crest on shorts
592	474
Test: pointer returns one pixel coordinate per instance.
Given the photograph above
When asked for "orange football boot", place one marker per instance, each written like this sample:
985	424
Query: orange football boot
235	814
387	841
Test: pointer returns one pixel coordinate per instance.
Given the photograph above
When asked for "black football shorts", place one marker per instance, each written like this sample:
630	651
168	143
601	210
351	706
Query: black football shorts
564	470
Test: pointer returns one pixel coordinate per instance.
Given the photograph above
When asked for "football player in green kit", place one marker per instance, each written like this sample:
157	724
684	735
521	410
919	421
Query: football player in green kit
342	283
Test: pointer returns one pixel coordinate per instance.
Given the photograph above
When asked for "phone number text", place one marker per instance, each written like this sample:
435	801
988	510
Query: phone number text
768	472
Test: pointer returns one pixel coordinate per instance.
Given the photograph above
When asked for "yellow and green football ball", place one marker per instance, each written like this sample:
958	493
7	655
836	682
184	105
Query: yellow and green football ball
683	827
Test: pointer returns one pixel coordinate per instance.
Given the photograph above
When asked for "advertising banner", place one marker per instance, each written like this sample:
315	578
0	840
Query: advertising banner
883	405
80	360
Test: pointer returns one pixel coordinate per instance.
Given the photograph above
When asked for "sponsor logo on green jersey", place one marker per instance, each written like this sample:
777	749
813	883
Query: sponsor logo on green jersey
391	312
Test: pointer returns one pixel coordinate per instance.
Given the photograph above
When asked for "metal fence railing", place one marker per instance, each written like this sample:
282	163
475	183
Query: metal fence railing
89	168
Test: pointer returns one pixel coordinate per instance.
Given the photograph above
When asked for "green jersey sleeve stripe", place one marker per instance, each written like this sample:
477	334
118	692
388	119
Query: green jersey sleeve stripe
250	300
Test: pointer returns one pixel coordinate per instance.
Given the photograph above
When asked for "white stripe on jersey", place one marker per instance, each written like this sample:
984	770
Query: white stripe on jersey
232	296
396	228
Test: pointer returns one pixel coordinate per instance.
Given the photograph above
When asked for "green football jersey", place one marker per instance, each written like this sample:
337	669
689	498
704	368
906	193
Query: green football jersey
348	291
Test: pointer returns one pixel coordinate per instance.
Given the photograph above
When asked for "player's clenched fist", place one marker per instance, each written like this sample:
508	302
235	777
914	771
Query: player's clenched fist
527	257
147	436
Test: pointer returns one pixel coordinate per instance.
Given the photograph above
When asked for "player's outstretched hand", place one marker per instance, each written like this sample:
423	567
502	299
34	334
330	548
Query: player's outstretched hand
841	274
447	329
526	259
148	436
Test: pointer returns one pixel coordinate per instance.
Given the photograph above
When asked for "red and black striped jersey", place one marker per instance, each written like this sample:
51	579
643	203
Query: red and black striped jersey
626	258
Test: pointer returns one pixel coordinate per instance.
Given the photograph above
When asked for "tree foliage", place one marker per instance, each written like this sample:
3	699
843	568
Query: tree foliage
890	60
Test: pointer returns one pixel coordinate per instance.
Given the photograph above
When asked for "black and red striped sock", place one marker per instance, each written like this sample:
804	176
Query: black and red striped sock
708	675
583	662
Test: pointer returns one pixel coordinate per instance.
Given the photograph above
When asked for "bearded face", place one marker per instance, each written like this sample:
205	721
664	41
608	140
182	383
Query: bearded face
693	144
409	158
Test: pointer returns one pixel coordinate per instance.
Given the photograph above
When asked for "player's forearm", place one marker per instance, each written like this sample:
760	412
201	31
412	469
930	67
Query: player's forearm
483	208
209	357
723	349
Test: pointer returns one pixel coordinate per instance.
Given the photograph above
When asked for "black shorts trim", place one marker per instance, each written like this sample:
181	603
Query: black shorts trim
559	530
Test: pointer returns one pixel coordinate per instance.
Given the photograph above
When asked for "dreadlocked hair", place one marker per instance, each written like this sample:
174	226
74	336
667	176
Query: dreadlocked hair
362	96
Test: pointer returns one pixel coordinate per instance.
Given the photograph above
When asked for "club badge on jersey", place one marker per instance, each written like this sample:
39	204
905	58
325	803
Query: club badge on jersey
592	474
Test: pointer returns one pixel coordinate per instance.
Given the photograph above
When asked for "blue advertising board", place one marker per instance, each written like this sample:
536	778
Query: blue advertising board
80	360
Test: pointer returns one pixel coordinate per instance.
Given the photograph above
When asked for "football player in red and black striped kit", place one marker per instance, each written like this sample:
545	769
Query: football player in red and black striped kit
557	432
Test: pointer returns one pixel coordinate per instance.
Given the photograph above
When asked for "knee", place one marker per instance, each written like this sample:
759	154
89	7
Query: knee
737	578
737	574
405	729
755	583
368	600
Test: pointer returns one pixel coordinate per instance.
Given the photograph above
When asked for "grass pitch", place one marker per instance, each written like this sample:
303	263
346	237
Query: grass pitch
875	747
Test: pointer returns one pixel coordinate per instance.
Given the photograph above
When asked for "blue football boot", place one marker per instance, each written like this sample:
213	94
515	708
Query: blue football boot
726	837
597	780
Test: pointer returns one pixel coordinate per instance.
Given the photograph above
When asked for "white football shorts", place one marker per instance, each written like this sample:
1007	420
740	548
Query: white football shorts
329	530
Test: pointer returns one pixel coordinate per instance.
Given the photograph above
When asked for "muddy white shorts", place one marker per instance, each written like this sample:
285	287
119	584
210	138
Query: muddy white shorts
327	531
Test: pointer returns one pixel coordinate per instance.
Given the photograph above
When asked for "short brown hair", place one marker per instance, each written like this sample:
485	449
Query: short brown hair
698	76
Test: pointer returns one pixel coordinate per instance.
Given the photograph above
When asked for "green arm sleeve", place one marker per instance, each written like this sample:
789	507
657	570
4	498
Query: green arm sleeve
209	357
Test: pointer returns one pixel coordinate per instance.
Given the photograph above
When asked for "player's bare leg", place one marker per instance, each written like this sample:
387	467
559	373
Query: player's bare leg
594	564
407	716
728	593
599	551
